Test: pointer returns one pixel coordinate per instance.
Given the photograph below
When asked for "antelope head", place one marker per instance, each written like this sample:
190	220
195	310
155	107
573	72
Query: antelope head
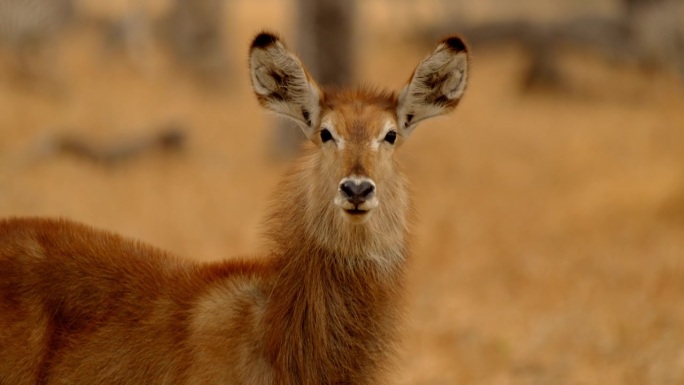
356	132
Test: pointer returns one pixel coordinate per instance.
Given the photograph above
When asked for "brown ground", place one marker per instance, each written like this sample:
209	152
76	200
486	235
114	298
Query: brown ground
550	246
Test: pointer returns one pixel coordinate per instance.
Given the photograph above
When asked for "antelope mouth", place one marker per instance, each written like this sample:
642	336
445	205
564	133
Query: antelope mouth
356	211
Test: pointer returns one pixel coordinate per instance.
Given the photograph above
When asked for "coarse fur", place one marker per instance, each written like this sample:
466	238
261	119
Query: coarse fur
84	306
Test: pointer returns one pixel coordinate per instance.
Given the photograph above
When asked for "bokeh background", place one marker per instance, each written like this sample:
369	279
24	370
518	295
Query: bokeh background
550	242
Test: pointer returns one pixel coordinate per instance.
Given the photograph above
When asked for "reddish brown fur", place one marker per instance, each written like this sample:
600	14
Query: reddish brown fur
75	301
105	304
83	306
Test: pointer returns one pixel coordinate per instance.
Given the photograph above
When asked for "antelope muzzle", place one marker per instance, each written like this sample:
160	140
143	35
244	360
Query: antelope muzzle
356	196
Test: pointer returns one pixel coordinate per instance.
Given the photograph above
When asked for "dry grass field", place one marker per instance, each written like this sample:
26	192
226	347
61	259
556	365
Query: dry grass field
550	241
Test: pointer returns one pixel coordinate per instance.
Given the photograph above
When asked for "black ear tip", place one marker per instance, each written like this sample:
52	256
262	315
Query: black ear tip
455	43
264	40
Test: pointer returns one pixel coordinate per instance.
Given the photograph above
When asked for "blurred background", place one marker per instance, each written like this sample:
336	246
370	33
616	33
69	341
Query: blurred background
550	242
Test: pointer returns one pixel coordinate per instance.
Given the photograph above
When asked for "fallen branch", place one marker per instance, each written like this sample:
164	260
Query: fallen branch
170	138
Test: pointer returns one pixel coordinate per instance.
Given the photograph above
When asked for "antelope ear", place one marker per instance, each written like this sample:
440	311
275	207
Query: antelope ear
436	86
282	84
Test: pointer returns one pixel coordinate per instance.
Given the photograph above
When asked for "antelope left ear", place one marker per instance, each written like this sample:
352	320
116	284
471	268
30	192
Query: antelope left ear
436	86
282	84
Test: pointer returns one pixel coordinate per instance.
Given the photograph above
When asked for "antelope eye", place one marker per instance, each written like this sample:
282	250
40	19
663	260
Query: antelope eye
391	137
326	135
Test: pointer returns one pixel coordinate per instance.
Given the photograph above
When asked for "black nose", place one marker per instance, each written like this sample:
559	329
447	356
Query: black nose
357	193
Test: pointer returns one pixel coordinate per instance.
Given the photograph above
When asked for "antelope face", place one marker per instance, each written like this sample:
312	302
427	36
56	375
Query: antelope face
357	131
357	137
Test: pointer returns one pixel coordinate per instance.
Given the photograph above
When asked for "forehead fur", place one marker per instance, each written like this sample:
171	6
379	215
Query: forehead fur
381	99
360	113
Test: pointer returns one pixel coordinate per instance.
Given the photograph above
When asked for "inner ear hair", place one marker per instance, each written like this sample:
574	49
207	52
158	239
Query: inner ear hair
281	82
437	84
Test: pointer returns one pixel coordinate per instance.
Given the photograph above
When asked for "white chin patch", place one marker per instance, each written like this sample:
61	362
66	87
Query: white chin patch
360	211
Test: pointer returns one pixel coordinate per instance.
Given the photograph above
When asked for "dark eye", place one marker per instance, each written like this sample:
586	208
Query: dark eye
391	137
325	135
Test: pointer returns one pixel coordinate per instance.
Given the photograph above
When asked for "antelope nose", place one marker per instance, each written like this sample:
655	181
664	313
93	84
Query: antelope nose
355	192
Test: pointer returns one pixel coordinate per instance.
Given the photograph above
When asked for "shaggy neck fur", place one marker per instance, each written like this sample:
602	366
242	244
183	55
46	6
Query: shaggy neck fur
333	309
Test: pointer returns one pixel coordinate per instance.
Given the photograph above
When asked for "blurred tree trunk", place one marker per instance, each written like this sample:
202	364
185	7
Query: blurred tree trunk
29	29
325	34
656	29
194	34
325	39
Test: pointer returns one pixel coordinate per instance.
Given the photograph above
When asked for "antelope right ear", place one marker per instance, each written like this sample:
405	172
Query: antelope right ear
282	84
436	86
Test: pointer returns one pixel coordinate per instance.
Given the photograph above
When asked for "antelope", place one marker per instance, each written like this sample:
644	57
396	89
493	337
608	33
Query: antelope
85	306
